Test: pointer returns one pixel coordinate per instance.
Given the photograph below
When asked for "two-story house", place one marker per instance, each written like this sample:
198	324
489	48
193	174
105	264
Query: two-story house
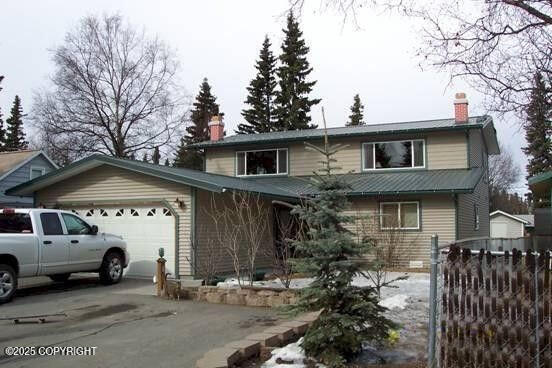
418	178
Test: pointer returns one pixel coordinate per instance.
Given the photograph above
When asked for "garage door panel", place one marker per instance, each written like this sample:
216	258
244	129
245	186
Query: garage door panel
144	228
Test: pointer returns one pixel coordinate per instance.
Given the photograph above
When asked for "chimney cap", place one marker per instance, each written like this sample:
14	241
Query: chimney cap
460	98
216	120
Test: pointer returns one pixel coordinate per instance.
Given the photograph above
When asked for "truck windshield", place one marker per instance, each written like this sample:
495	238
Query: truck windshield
15	223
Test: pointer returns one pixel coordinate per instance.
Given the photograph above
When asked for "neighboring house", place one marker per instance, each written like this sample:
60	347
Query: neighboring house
17	167
505	225
430	176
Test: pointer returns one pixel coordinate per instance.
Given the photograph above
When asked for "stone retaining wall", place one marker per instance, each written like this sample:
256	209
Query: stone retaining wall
248	296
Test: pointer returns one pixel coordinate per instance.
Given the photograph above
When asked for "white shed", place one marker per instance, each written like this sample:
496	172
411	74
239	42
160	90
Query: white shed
505	225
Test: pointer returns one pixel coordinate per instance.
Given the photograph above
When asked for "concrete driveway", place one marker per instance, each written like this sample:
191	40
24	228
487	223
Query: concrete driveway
128	326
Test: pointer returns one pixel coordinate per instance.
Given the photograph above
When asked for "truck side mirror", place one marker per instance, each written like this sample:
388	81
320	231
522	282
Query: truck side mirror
94	229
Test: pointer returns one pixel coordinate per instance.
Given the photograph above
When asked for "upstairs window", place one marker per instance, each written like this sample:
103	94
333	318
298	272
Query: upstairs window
37	171
263	162
406	154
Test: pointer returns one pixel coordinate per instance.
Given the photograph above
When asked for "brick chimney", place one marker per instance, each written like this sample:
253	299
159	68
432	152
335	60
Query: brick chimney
460	108
216	128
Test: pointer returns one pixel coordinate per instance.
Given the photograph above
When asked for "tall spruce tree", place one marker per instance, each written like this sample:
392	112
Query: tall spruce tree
538	128
205	107
15	136
156	156
292	101
350	314
538	133
2	131
357	112
260	112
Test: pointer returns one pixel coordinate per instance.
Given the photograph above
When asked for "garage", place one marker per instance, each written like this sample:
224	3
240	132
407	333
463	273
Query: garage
144	228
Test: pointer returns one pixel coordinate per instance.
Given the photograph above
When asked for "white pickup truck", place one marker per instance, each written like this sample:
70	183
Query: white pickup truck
55	243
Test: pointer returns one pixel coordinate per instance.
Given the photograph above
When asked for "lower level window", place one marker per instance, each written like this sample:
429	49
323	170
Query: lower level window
400	215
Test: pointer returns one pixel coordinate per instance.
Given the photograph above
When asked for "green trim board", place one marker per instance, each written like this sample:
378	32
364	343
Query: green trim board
139	201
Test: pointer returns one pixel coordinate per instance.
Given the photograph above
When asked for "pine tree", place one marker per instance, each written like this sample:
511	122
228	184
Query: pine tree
292	100
156	156
357	112
15	136
205	107
538	128
259	114
167	163
2	131
350	314
145	157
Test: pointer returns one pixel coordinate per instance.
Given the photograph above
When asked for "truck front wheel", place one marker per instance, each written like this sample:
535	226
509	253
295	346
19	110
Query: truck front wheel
111	271
8	283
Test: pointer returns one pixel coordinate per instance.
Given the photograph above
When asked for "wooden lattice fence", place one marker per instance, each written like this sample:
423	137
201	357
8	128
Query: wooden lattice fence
495	309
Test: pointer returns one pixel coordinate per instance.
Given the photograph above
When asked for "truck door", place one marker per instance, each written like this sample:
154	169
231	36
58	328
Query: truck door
85	247
55	245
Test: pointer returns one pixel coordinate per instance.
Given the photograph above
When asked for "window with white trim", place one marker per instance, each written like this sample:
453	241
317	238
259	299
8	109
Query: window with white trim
262	162
36	172
400	215
407	154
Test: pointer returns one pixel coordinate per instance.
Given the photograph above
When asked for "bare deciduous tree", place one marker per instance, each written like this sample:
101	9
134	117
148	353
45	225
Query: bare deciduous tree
289	229
496	45
503	171
388	247
241	228
114	92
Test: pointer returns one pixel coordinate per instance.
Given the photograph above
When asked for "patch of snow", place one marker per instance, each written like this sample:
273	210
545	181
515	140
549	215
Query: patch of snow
399	301
293	355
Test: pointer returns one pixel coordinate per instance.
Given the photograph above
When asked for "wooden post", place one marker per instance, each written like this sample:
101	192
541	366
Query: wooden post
160	275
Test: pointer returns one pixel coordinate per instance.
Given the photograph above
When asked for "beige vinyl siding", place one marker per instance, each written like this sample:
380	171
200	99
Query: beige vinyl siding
437	217
444	150
466	217
207	229
480	196
303	161
447	150
106	183
220	161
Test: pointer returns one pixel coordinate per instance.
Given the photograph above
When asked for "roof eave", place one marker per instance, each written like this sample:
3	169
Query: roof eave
460	127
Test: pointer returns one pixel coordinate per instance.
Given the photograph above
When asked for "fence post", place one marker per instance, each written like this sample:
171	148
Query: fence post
537	325
431	357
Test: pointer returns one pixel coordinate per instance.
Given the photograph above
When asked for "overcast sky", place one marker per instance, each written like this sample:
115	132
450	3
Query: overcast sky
220	40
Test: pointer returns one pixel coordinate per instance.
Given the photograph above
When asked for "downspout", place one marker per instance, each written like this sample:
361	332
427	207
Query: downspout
193	233
456	230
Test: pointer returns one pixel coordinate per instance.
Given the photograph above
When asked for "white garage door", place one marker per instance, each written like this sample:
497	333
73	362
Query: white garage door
499	229
145	230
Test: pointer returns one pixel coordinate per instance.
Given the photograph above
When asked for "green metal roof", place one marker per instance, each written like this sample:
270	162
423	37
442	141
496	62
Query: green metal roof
388	183
194	178
397	182
364	130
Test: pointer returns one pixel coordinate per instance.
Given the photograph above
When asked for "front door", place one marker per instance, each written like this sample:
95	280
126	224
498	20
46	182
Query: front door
85	248
54	245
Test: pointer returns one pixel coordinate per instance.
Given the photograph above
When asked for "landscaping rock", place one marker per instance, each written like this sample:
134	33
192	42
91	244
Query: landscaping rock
285	334
235	299
247	348
299	327
276	300
256	301
220	357
215	298
265	339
